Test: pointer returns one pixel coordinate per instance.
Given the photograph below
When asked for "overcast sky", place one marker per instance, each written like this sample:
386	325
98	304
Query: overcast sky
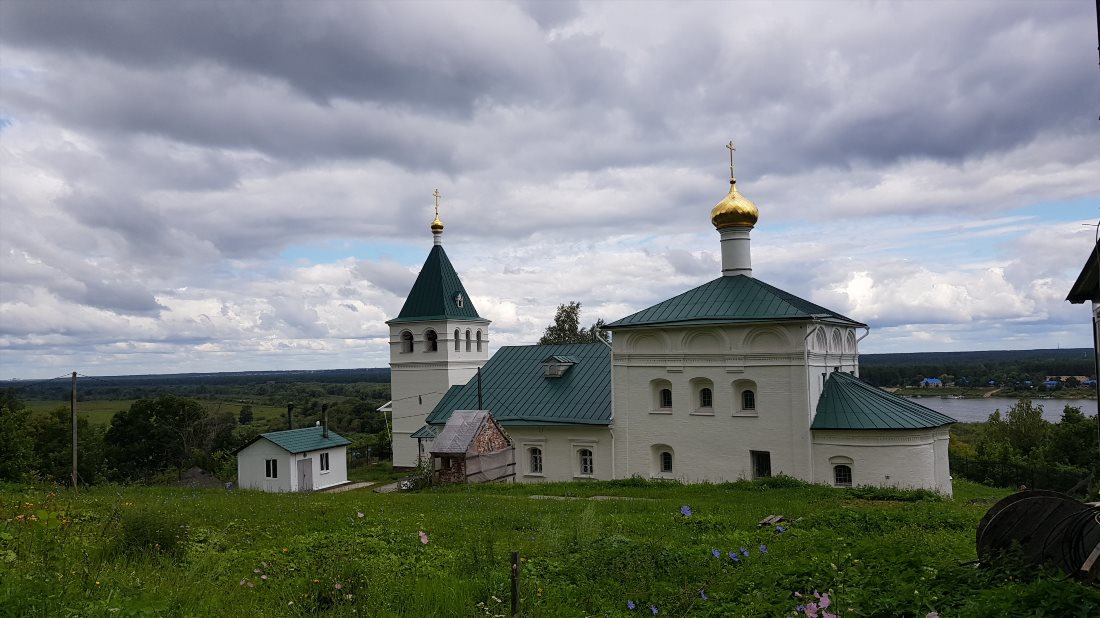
219	186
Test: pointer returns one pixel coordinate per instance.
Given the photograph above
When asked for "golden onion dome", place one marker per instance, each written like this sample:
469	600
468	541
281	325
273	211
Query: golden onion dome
437	225
735	210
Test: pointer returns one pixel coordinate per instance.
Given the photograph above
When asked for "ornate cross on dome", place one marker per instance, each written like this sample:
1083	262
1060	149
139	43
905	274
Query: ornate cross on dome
437	196
731	149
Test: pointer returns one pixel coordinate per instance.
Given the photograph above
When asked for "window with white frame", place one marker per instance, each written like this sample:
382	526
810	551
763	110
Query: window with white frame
272	469
744	398
479	341
706	398
666	461
661	394
748	400
842	475
406	341
458	340
586	462
665	398
534	460
324	462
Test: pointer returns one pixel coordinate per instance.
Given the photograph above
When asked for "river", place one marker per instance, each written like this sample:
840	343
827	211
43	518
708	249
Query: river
973	410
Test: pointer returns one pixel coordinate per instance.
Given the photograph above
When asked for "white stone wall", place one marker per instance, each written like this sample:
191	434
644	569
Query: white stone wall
782	363
252	467
418	379
909	459
560	446
338	467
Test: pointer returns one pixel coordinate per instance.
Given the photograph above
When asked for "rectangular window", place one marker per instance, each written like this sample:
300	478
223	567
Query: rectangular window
272	468
324	462
536	461
761	464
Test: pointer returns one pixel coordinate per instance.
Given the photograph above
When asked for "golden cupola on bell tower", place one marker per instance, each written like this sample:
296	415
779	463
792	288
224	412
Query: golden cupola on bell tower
734	218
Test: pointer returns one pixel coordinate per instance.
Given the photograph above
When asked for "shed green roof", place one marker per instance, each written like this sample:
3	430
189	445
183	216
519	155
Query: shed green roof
731	299
303	440
850	403
433	295
426	432
516	391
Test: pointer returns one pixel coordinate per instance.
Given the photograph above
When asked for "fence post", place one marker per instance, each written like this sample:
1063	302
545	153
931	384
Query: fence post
515	583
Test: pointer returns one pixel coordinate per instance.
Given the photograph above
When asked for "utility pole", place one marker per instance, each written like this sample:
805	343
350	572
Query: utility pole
72	408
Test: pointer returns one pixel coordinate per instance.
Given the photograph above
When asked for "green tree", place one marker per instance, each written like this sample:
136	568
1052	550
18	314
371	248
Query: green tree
52	437
1072	440
155	435
16	455
245	417
566	327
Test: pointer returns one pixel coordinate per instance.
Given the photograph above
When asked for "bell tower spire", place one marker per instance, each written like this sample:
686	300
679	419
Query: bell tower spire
437	225
734	218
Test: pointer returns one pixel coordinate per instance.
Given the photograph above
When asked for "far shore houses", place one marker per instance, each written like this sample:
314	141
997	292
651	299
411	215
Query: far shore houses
732	379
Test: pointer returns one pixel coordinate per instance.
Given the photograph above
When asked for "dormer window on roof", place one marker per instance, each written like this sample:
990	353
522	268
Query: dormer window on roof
556	366
459	300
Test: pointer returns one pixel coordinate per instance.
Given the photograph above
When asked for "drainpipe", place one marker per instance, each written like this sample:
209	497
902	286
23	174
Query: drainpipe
614	455
856	351
324	421
809	400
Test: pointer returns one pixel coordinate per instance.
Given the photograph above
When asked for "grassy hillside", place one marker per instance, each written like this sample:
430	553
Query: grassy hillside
123	551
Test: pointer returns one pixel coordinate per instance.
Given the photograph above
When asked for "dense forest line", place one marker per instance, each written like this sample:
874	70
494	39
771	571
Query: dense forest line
989	368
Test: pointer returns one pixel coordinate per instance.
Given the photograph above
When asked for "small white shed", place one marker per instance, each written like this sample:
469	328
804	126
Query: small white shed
304	459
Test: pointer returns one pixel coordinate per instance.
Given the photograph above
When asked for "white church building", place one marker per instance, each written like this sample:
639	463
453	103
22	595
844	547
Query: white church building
734	379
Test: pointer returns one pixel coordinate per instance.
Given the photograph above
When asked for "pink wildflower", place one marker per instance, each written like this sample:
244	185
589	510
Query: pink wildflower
811	610
338	586
933	615
824	602
263	577
423	537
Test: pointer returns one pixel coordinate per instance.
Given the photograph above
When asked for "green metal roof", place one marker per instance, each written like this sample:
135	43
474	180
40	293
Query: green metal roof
514	389
305	439
850	403
425	432
1087	286
736	298
433	295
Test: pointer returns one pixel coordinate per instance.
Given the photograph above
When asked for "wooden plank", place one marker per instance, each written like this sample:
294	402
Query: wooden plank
1089	567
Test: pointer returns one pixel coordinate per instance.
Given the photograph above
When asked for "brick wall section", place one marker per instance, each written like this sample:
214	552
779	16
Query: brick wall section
490	439
453	470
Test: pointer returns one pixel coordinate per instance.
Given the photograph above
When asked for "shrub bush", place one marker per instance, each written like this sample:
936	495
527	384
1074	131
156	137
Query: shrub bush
151	534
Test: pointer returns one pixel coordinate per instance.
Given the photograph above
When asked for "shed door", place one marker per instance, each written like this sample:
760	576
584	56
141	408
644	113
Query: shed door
305	475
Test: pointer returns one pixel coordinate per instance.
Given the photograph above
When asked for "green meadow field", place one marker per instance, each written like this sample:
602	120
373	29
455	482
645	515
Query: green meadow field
588	549
100	411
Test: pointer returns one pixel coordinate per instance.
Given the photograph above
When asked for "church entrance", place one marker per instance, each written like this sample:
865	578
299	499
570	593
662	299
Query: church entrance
761	464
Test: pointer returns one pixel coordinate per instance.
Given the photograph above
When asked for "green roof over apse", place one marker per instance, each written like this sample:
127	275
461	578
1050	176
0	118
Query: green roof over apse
850	403
731	299
436	293
514	388
302	440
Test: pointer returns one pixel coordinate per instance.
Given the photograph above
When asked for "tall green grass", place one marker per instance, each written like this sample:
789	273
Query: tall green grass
880	553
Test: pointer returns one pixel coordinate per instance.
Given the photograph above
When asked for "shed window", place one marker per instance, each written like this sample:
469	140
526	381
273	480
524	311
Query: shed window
748	400
458	340
535	455
842	476
666	398
587	464
666	462
272	468
324	462
433	341
406	341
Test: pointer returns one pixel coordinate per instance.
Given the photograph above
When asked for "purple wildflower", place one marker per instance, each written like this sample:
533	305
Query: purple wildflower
685	511
800	608
702	594
744	552
763	549
338	585
630	605
263	577
653	608
733	556
256	571
242	582
715	553
780	529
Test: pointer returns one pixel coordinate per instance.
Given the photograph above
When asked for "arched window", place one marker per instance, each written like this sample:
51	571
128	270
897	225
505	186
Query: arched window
406	341
458	339
666	461
586	462
467	340
432	341
842	475
666	398
706	398
748	400
534	461
478	341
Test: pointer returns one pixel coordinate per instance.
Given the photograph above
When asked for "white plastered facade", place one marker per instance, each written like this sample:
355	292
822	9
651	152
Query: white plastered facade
419	378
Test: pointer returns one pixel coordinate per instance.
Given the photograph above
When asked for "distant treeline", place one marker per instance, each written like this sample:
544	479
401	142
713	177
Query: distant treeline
262	385
1004	367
